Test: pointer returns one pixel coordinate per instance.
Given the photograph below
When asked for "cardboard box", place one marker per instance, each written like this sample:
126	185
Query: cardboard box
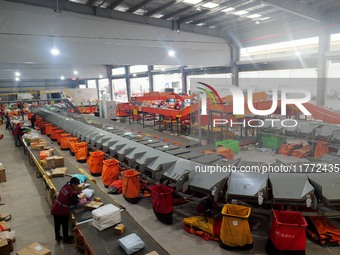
119	229
152	253
34	249
54	161
4	247
59	172
4	226
2	175
93	205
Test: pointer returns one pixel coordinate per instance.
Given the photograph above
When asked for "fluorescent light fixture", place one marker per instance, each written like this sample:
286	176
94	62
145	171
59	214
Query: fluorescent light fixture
240	13
121	8
229	9
257	22
254	16
192	1
17	79
17	74
201	24
209	5
55	51
171	53
134	75
265	18
100	76
157	16
75	72
62	78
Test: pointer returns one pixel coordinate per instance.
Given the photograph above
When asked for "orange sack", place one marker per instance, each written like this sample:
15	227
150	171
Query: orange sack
110	171
131	186
81	152
95	161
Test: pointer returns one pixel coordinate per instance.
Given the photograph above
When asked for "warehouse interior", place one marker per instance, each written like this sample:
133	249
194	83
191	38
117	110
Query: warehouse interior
195	126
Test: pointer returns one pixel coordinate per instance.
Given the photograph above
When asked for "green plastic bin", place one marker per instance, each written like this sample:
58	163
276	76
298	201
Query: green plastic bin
230	144
272	141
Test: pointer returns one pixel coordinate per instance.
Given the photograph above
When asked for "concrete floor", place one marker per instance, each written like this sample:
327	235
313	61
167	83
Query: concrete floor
23	197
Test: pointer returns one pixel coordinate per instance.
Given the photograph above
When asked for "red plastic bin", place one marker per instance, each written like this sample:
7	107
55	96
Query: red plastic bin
288	233
162	202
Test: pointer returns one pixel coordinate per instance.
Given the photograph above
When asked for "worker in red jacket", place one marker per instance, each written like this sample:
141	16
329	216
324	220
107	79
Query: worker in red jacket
68	196
17	133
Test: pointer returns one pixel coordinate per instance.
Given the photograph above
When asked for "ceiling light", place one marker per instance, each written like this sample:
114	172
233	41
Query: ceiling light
254	16
240	13
134	75
157	16
171	53
201	24
192	1
75	72
62	78
17	79
163	69
55	51
121	8
209	5
100	76
228	9
17	74
265	18
257	22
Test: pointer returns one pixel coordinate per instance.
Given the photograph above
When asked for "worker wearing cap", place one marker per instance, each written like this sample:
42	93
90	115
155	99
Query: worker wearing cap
68	196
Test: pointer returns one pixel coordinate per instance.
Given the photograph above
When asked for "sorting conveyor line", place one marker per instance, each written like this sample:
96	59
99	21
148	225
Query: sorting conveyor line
299	188
167	163
326	187
326	131
203	180
247	185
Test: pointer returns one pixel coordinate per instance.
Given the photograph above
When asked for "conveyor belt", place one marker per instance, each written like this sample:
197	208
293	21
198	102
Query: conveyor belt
101	242
105	242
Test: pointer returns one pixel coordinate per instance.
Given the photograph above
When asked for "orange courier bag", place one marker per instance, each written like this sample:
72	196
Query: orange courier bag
110	171
95	162
81	152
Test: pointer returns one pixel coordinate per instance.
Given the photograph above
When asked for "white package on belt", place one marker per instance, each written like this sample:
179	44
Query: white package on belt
106	216
131	243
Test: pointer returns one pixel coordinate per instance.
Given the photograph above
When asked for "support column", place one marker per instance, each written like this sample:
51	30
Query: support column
87	83
184	80
323	67
127	80
97	88
150	76
108	73
235	56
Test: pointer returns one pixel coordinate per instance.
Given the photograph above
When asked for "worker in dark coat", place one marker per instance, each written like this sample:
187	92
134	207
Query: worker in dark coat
68	196
33	119
8	121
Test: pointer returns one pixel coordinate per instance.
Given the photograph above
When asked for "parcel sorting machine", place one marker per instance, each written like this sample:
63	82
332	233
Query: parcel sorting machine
179	166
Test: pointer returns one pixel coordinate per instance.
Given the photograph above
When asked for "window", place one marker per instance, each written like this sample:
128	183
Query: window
118	71
138	69
139	86
82	86
91	84
119	90
283	49
168	81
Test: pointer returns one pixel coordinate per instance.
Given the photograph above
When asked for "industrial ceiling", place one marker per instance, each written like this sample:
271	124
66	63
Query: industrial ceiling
135	31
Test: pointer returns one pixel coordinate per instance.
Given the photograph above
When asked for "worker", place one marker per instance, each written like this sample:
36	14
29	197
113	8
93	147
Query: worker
8	121
177	105
17	133
33	119
68	196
